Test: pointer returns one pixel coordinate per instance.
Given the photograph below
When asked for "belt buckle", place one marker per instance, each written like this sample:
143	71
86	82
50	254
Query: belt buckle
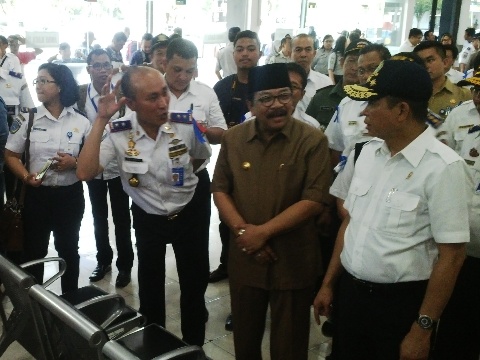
172	217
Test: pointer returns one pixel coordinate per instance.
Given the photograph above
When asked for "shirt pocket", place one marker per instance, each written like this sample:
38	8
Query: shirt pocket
358	189
402	212
74	144
39	142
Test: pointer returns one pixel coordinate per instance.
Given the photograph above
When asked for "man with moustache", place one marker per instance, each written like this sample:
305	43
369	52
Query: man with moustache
99	68
270	180
157	159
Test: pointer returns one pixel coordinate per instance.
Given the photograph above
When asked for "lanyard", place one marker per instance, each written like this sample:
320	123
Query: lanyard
91	99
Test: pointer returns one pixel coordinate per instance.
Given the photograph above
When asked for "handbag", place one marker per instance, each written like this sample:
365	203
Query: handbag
11	221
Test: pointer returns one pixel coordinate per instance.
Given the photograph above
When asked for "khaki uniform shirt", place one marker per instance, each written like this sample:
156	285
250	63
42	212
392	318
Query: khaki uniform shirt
449	97
264	180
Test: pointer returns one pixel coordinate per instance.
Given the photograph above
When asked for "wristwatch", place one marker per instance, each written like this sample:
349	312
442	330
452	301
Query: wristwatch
426	322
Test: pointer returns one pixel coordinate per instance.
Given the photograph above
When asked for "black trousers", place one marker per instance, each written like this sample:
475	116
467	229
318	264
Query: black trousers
58	210
187	234
224	231
120	206
458	334
373	320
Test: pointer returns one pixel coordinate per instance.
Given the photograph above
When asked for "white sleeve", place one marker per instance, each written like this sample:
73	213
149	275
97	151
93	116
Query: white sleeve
342	182
334	133
215	114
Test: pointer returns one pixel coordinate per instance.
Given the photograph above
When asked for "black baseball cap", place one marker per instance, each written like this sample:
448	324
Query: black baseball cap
403	79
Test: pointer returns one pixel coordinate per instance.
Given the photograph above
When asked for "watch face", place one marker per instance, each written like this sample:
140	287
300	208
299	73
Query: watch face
425	321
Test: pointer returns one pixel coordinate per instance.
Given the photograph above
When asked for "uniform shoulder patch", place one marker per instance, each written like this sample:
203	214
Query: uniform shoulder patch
17	123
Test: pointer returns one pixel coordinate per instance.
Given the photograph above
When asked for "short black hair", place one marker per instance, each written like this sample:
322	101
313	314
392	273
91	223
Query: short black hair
470	31
429	45
294	67
3	40
426	33
127	86
414	32
96	52
419	108
147	37
183	48
453	49
232	33
247	34
66	82
120	36
381	49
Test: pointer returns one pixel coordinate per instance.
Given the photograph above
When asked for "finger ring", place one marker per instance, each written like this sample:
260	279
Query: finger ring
241	232
244	249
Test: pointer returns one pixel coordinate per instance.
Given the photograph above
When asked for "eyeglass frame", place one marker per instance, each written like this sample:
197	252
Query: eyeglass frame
43	82
99	66
268	100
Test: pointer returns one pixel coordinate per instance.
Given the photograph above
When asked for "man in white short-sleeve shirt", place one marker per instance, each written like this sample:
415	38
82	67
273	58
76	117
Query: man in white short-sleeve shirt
399	249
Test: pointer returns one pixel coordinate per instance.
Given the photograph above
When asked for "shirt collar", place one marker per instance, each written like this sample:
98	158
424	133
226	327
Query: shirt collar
42	111
338	90
447	85
414	151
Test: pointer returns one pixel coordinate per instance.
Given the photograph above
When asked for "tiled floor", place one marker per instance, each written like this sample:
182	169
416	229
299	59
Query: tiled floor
218	341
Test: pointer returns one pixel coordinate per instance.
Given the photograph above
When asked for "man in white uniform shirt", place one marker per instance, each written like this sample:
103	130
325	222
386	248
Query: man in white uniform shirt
399	250
303	53
414	38
100	67
157	158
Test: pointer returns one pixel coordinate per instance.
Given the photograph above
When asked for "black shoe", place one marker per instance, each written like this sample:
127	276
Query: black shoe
123	279
100	272
229	323
219	274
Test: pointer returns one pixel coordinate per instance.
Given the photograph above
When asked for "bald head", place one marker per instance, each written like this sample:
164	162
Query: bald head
134	78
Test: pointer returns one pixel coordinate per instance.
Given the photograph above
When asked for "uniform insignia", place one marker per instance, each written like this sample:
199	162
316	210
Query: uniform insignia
473	152
131	151
15	74
453	101
16	124
469	162
174	141
181	117
246	165
353	122
177	150
465	126
474	129
409	175
120	125
8	86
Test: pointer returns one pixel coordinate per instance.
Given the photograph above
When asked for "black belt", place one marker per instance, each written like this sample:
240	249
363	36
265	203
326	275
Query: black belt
372	287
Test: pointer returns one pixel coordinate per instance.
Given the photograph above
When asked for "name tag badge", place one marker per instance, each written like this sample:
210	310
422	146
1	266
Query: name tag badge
177	176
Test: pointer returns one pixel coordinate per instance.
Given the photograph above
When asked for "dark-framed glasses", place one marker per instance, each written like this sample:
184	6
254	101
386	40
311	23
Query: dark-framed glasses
98	66
43	82
268	100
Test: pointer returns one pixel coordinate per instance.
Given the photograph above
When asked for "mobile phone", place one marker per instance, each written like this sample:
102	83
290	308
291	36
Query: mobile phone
44	170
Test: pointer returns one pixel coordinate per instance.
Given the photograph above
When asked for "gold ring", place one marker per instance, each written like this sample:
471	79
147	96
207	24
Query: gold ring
241	232
244	249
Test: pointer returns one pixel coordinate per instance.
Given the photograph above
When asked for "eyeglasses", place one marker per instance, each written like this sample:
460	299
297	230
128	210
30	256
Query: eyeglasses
268	100
43	82
98	66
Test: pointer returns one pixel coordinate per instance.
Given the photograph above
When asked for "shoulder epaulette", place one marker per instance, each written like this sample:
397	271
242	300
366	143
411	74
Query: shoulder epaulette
324	88
80	112
181	117
120	125
474	129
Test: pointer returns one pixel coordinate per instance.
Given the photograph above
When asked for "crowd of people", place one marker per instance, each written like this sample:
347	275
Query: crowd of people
347	178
